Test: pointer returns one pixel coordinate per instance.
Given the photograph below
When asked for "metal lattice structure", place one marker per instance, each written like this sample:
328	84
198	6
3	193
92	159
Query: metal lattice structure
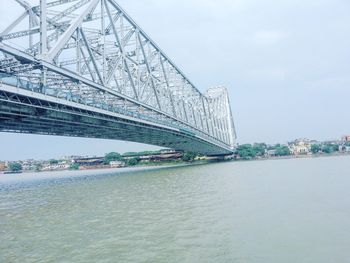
85	68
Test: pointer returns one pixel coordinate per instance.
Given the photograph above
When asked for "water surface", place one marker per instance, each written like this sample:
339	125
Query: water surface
295	210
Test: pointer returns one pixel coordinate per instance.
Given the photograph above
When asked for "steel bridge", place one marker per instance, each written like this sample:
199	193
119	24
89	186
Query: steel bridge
84	68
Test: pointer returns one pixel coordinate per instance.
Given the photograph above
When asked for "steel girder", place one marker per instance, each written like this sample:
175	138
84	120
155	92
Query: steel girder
93	53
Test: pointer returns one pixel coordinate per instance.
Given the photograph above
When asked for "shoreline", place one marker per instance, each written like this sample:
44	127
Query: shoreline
27	176
6	179
320	155
107	168
155	165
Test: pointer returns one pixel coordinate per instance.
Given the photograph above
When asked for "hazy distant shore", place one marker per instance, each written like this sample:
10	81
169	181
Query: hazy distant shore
65	174
320	155
32	176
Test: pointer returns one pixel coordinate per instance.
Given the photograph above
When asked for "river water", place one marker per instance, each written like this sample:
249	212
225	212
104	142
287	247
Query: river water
295	210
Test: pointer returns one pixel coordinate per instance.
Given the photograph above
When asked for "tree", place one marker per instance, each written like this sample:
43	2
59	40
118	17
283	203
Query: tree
259	148
246	151
113	156
189	156
132	162
282	150
335	147
326	149
38	167
15	167
329	148
74	166
315	148
53	161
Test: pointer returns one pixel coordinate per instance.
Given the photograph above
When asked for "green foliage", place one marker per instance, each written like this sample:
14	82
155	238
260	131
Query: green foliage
329	148
246	151
282	150
326	149
347	144
259	149
189	156
113	156
15	167
74	166
335	148
315	148
38	167
132	162
53	161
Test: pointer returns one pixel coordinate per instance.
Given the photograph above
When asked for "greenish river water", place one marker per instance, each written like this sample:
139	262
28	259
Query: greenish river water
295	210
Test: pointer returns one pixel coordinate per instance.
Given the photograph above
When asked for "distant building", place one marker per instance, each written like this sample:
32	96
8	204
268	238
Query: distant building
56	167
70	158
173	155
346	138
29	165
3	166
300	147
117	164
166	151
90	161
344	148
271	153
211	158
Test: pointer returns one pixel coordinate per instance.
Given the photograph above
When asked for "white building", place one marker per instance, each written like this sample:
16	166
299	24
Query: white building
116	164
300	146
57	166
344	148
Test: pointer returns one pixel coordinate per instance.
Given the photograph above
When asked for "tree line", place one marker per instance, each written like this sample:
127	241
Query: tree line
250	151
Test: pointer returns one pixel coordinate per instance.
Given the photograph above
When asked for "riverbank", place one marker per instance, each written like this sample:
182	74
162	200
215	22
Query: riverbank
66	174
146	166
319	155
107	168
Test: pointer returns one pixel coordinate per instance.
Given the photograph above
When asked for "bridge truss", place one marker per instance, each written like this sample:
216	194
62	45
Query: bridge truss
85	68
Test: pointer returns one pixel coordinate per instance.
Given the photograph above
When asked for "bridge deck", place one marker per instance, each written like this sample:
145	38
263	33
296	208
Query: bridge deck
24	111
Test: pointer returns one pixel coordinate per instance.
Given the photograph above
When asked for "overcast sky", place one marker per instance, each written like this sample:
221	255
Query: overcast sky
286	64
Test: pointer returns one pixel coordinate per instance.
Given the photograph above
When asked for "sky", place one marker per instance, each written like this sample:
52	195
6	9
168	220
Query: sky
285	63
